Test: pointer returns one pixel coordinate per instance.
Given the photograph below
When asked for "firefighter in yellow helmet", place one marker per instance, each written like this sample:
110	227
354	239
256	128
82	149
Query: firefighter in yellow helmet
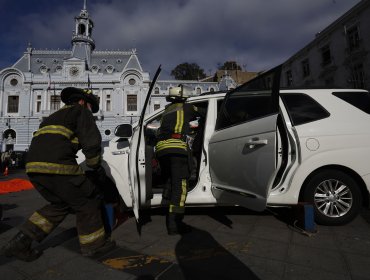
52	168
173	153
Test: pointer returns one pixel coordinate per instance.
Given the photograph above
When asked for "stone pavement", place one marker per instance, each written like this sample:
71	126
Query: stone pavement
226	243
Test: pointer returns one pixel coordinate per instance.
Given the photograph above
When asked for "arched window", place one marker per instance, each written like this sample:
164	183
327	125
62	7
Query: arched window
9	138
156	90
81	29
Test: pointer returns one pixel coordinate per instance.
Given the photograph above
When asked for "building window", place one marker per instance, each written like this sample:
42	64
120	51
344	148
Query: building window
81	29
305	68
107	132
13	82
54	102
95	68
325	55
43	69
38	104
289	78
108	103
156	90
157	106
131	102
353	38
132	82
58	69
109	69
13	104
358	76
199	91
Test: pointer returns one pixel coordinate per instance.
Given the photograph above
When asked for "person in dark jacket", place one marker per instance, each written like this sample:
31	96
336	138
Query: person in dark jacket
53	170
173	154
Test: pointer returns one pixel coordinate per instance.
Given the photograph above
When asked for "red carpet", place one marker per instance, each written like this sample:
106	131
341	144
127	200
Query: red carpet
15	185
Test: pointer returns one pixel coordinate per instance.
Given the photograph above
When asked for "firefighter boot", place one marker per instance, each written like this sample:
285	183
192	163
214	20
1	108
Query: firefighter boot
175	225
106	247
20	248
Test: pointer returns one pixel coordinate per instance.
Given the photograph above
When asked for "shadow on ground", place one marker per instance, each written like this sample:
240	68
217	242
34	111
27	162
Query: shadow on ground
200	256
365	214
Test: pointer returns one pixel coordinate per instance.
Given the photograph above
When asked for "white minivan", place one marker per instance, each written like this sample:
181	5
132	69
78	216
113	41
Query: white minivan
259	146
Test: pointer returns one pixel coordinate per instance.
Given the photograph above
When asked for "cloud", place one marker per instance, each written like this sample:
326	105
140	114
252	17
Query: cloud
257	34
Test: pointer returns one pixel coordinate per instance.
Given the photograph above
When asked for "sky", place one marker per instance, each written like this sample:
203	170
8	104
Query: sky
257	34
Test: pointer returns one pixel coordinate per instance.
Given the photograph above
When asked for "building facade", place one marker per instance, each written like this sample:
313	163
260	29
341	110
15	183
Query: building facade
30	89
337	57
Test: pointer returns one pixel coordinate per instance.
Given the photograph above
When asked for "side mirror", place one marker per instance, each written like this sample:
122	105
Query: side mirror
123	130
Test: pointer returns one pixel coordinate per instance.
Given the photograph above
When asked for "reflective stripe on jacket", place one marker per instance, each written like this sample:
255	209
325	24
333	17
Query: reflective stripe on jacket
55	145
175	121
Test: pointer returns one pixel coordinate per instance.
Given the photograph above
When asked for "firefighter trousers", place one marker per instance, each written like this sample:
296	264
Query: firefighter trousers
175	171
67	194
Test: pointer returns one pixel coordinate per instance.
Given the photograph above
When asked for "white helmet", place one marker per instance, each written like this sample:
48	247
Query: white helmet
180	92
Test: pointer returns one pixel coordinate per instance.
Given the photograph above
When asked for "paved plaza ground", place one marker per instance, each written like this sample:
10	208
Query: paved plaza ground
226	243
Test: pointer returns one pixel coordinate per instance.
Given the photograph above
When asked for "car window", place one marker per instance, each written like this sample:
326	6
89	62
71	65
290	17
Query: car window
219	104
255	99
153	125
303	108
151	129
202	105
360	100
242	107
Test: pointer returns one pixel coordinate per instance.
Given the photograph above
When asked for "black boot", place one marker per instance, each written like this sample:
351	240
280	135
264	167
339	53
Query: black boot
20	248
175	225
106	247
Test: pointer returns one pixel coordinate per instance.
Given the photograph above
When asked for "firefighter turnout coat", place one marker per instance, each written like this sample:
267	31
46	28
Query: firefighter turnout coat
55	145
174	128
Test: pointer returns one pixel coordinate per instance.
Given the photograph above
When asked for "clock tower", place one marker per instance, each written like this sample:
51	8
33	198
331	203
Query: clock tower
82	42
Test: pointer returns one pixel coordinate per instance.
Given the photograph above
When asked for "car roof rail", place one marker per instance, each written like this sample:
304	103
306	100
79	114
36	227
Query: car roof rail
212	92
314	87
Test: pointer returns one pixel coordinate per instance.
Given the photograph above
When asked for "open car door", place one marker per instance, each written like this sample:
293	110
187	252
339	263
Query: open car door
137	158
242	150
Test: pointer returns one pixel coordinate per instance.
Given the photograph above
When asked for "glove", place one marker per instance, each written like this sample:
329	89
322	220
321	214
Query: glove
100	175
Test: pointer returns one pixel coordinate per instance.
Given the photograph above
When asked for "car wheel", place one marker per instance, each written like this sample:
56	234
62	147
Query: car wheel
335	196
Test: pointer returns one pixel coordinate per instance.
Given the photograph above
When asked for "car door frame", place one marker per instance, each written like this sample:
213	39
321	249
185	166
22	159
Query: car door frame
137	160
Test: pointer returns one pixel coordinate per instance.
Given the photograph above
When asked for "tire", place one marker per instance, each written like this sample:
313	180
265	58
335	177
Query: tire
335	196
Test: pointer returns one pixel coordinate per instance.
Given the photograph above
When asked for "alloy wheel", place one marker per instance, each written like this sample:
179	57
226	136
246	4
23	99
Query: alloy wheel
333	198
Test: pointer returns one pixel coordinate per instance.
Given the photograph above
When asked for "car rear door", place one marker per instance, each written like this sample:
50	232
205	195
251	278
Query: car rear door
137	158
242	150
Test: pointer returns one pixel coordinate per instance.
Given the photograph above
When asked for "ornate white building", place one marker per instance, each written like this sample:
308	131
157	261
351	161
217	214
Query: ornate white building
30	89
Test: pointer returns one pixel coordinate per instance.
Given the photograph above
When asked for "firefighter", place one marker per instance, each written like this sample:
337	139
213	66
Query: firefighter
52	168
173	154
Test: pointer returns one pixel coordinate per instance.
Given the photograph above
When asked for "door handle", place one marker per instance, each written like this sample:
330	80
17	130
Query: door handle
255	143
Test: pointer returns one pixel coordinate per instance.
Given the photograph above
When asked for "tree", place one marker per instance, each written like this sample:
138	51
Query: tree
230	65
188	71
